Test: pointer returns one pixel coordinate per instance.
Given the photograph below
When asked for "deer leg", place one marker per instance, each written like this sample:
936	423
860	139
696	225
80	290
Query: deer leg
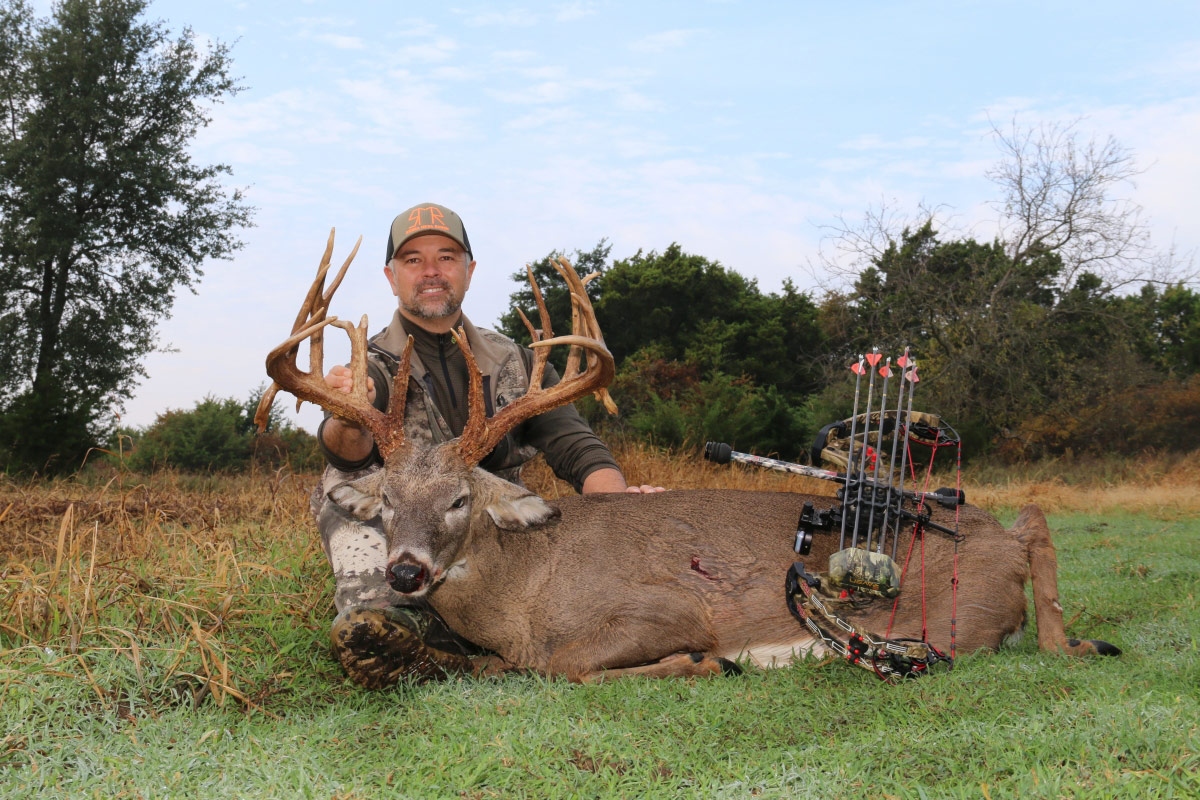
676	665
492	666
1033	532
667	641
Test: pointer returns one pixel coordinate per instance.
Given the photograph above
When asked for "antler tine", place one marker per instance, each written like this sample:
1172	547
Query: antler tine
262	414
320	307
533	333
481	434
310	385
313	309
540	357
393	438
305	317
583	321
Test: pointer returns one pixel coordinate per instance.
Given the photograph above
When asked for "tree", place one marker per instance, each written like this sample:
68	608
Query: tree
103	213
696	310
998	339
1057	196
1032	324
1169	328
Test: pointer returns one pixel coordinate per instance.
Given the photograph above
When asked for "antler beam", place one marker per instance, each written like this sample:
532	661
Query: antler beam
481	433
387	428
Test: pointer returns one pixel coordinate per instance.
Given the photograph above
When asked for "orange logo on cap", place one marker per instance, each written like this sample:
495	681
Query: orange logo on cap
426	217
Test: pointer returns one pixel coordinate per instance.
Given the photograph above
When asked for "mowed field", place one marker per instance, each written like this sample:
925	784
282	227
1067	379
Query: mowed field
167	636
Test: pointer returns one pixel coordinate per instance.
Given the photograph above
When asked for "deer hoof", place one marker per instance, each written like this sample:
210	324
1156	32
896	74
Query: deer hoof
1097	646
729	667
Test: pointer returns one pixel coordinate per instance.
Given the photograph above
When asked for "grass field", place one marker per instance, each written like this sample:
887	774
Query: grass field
167	636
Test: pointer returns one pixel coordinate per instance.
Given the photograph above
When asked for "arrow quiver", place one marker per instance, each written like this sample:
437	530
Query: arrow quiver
832	443
872	511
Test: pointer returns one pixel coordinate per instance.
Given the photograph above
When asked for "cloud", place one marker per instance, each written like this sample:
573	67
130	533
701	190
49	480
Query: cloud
338	40
455	73
873	141
667	40
437	49
537	94
404	107
514	56
513	18
569	12
1175	64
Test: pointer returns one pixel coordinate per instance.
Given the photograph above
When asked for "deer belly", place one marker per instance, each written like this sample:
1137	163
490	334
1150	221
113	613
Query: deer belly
769	656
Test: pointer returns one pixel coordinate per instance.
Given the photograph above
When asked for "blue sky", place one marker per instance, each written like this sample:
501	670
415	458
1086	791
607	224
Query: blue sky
735	129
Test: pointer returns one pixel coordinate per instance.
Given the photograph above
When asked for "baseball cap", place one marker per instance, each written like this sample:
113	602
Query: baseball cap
426	218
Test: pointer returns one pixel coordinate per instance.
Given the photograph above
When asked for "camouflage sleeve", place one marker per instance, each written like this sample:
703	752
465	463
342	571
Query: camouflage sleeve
571	449
382	388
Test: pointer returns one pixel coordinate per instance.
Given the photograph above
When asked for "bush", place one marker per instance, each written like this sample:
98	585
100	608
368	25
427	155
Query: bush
669	403
1160	418
219	435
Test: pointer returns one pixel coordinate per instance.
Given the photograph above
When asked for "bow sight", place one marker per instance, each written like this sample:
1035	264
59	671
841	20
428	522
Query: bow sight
872	508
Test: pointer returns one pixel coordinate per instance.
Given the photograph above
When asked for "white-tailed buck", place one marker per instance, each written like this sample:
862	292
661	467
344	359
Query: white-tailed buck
674	583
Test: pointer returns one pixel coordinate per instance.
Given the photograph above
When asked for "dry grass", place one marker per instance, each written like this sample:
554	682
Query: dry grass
1157	485
124	566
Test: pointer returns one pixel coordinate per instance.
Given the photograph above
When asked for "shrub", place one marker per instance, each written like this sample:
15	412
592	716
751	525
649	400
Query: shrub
669	403
219	435
1164	418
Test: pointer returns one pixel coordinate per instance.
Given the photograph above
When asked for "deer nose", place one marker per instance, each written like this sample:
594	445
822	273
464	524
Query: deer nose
406	578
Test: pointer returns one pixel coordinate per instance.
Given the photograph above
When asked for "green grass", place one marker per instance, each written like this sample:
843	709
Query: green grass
192	679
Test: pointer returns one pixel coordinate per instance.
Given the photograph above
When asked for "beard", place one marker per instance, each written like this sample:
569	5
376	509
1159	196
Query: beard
432	309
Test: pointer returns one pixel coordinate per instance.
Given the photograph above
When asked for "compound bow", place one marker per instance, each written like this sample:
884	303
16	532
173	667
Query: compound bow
873	507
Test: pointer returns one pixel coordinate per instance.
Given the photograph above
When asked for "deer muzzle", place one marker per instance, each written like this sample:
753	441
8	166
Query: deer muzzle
407	578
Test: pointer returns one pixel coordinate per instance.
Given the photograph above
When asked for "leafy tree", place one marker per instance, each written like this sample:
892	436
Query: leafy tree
700	349
210	437
689	309
103	213
699	311
1001	341
671	403
1034	324
1169	327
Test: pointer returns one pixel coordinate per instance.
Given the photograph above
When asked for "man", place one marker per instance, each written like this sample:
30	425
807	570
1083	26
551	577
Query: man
429	265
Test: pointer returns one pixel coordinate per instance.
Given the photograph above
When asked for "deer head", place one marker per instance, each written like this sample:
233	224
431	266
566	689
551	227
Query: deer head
431	498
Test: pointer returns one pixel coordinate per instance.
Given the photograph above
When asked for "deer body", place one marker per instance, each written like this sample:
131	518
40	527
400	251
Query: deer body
623	580
606	585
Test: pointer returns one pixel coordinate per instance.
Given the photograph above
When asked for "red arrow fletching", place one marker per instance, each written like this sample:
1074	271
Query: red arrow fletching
857	368
873	358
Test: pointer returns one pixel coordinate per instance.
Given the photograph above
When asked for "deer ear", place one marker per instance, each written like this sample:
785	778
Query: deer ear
361	497
526	511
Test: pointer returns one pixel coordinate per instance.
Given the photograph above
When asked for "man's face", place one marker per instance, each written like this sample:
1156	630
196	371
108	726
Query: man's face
430	275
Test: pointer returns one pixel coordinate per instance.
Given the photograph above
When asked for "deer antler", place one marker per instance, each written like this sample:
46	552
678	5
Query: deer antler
386	427
481	434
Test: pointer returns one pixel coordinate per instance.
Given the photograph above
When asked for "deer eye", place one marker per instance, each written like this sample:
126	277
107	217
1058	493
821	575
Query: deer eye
460	502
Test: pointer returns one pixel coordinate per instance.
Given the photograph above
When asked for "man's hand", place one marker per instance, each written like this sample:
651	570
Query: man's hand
344	438
611	480
342	379
643	489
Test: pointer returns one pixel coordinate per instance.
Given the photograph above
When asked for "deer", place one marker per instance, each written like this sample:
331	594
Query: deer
599	587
